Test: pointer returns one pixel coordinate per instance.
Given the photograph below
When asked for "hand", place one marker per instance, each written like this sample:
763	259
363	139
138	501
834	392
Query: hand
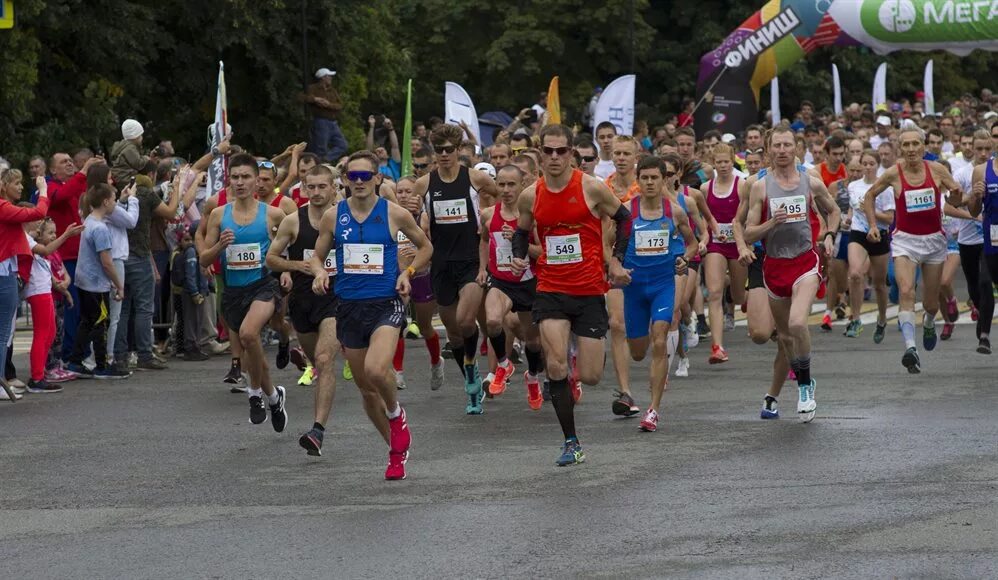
746	256
519	266
387	124
721	238
523	114
227	237
286	281
507	232
155	274
370	121
225	146
702	248
41	185
320	285
978	190
197	299
619	276
74	230
127	192
119	293
69	300
779	216
873	236
413	204
681	265
481	278
829	244
90	163
207	272
402	286
299	148
322	102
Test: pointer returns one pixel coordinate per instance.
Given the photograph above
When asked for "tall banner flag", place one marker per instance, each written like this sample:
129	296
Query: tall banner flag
458	107
218	170
774	99
880	89
554	103
837	90
407	133
616	105
930	100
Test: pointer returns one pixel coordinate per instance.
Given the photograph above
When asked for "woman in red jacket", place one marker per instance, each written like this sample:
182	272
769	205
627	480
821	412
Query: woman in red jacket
12	244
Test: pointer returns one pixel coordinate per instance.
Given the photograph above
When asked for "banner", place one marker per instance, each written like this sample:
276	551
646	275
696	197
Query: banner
458	107
930	101
957	26
554	104
407	134
879	101
774	100
836	91
218	171
616	105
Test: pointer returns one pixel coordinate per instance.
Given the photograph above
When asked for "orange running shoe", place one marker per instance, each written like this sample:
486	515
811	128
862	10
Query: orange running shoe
534	397
717	355
498	384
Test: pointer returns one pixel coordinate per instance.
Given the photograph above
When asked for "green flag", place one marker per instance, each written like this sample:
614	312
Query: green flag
407	134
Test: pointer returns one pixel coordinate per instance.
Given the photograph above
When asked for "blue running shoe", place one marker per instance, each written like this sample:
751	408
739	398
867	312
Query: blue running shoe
472	380
929	337
571	453
475	406
81	371
806	404
770	410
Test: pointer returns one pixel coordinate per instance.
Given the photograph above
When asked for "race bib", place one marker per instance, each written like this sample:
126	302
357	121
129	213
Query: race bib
795	206
504	252
651	242
994	234
243	257
403	241
920	199
563	249
363	259
329	263
728	231
454	211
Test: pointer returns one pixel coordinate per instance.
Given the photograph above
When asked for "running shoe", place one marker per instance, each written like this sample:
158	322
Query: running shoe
692	338
7	392
235	375
770	409
717	355
703	331
399	437
911	362
649	423
855	328
516	353
683	369
58	375
298	358
283	354
238	388
952	310
437	375
152	364
974	313
42	386
278	414
412	331
446	351
111	373
80	371
948	328
473	388
571	453
878	334
929	337
624	405
826	322
347	373
840	311
576	386
806	405
984	346
193	356
311	442
534	397
307	377
400	381
729	321
503	372
487	382
258	412
396	466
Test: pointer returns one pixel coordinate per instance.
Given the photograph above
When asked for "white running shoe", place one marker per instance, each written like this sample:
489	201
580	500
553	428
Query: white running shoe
692	338
806	404
400	381
437	375
684	367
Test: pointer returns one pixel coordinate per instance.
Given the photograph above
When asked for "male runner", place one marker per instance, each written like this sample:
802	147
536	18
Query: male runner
239	232
312	315
567	208
983	201
832	170
605	134
918	238
452	195
790	270
371	289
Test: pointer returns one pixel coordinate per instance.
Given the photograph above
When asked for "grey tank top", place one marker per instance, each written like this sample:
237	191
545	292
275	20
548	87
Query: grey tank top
792	238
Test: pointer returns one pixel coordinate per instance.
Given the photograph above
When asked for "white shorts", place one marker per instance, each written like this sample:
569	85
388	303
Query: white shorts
927	249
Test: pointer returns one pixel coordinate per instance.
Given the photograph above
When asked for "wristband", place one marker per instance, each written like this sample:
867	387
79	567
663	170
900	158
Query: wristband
411	271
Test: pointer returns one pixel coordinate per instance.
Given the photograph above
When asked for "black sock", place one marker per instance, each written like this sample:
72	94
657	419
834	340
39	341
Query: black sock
803	370
533	361
499	345
564	406
701	319
458	352
471	345
318	426
235	362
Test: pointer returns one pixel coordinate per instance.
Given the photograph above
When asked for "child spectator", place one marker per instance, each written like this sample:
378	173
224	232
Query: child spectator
193	286
63	298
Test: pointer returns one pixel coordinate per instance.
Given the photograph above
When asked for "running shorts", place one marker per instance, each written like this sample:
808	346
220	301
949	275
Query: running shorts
873	249
646	304
520	293
926	249
587	314
356	320
781	275
237	300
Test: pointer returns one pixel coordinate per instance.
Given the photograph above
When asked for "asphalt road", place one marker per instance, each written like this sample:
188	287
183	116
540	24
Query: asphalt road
162	476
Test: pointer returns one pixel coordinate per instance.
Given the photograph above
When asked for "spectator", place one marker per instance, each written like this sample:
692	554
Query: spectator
126	160
685	118
36	168
189	279
389	166
81	156
324	102
54	371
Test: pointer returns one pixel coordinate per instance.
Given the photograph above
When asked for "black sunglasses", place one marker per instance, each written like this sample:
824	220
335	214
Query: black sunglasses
420	165
446	149
587	158
559	150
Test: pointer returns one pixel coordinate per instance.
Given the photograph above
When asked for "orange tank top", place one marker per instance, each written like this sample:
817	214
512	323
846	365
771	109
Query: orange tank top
571	238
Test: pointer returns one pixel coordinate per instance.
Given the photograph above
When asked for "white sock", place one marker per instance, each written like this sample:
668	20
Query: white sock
274	398
396	412
928	321
254	392
907	320
671	346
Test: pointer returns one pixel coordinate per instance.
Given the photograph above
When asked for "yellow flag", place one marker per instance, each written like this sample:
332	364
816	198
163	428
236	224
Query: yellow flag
554	103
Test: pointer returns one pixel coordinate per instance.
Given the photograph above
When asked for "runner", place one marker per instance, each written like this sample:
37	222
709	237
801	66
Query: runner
790	270
918	238
452	195
866	258
508	292
721	260
983	202
371	288
312	315
567	209
832	171
653	264
239	233
606	132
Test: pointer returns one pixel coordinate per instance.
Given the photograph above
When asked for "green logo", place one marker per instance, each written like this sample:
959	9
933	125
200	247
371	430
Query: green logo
930	21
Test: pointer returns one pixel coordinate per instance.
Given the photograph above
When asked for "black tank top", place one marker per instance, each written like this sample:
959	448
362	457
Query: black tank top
453	210
307	237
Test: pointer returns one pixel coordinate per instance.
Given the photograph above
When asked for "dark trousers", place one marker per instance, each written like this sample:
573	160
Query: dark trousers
94	320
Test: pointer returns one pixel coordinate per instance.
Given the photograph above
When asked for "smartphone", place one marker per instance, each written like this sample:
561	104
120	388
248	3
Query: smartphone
131	181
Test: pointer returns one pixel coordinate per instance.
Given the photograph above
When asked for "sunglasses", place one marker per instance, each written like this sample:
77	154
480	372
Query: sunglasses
362	176
517	150
556	150
265	165
446	149
587	158
420	165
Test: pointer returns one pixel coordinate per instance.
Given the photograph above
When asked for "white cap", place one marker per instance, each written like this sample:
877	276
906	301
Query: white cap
131	129
990	115
324	72
885	121
487	168
727	138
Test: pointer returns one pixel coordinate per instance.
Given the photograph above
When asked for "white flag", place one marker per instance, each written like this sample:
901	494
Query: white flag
880	89
458	107
220	128
774	100
930	101
837	90
616	105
